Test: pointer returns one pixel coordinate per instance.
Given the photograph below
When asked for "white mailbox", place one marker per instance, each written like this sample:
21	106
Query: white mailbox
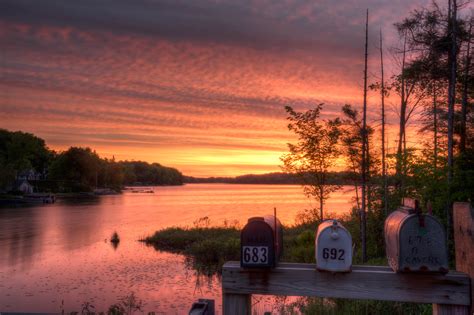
333	247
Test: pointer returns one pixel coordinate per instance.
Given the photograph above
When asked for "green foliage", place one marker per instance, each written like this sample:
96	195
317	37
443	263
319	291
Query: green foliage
333	178
323	306
463	186
314	153
19	152
82	169
206	249
76	169
143	173
298	247
127	305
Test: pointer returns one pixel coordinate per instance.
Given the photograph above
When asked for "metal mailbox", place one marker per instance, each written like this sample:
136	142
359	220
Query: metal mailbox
261	242
415	242
333	247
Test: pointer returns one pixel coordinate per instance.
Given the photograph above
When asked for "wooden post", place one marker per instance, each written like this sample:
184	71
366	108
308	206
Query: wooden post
236	304
463	226
443	309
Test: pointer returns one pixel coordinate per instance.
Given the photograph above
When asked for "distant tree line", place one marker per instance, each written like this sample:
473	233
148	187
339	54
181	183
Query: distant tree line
23	155
276	178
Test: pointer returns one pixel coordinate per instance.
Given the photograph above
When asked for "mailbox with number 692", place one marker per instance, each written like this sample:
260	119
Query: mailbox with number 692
261	242
333	247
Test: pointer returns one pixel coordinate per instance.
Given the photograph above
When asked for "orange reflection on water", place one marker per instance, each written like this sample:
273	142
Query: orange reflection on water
61	252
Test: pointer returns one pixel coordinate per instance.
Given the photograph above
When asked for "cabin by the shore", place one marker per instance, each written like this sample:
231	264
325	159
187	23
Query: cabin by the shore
23	186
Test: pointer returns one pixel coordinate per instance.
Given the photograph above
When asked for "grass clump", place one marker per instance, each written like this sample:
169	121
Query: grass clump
115	238
206	249
331	306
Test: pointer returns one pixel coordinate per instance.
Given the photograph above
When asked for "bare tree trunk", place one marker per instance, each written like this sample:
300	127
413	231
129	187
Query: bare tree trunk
382	95
435	129
356	181
404	165
451	101
356	185
368	174
321	203
401	133
364	149
467	65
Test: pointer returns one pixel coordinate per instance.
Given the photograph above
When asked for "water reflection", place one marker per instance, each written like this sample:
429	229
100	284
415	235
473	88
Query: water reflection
62	252
20	236
79	220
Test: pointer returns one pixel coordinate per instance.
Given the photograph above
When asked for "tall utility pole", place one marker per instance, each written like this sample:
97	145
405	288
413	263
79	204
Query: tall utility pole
382	95
435	129
363	219
451	100
467	65
401	134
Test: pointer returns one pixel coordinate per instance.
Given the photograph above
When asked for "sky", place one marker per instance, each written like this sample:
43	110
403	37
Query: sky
196	85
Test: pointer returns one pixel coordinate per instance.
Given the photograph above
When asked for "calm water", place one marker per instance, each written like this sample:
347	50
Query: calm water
58	254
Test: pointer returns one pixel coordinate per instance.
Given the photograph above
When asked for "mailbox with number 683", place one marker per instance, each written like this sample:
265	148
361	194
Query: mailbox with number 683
333	247
261	242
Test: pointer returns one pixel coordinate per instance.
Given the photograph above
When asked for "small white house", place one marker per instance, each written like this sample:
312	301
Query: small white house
29	175
24	186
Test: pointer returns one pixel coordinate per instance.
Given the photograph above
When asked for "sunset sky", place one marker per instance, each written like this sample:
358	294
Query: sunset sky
196	85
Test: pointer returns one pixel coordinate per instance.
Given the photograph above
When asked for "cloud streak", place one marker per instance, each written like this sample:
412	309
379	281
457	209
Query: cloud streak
196	85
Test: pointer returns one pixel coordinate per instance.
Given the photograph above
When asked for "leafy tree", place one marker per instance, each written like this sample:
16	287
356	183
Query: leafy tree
314	154
436	40
20	151
78	167
351	140
111	174
149	174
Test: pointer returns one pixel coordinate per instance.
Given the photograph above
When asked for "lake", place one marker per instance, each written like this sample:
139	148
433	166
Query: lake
58	256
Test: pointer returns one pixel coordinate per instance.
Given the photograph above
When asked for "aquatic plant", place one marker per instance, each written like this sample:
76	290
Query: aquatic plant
115	238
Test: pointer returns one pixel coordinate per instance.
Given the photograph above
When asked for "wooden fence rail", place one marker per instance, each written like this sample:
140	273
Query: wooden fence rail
449	294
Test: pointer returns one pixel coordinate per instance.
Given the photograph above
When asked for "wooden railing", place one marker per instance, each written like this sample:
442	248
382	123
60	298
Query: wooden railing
449	294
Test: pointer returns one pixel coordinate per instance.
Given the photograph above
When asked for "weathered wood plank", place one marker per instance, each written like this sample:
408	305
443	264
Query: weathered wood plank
364	282
443	309
463	219
236	304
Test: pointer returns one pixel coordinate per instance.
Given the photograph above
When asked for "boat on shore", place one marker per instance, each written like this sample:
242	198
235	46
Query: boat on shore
39	198
143	191
28	199
104	191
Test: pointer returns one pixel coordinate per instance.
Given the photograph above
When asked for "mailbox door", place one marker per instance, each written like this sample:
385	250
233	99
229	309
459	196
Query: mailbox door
392	242
257	249
422	248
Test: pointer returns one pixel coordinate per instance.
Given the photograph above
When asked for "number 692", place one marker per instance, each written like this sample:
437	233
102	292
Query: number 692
333	253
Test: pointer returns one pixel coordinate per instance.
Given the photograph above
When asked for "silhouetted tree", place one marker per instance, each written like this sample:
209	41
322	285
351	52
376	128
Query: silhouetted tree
78	167
314	154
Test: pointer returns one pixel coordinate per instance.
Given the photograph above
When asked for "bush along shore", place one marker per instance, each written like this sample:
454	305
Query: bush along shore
207	248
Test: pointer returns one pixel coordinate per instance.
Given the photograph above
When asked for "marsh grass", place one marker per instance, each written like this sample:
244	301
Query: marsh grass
329	306
206	249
